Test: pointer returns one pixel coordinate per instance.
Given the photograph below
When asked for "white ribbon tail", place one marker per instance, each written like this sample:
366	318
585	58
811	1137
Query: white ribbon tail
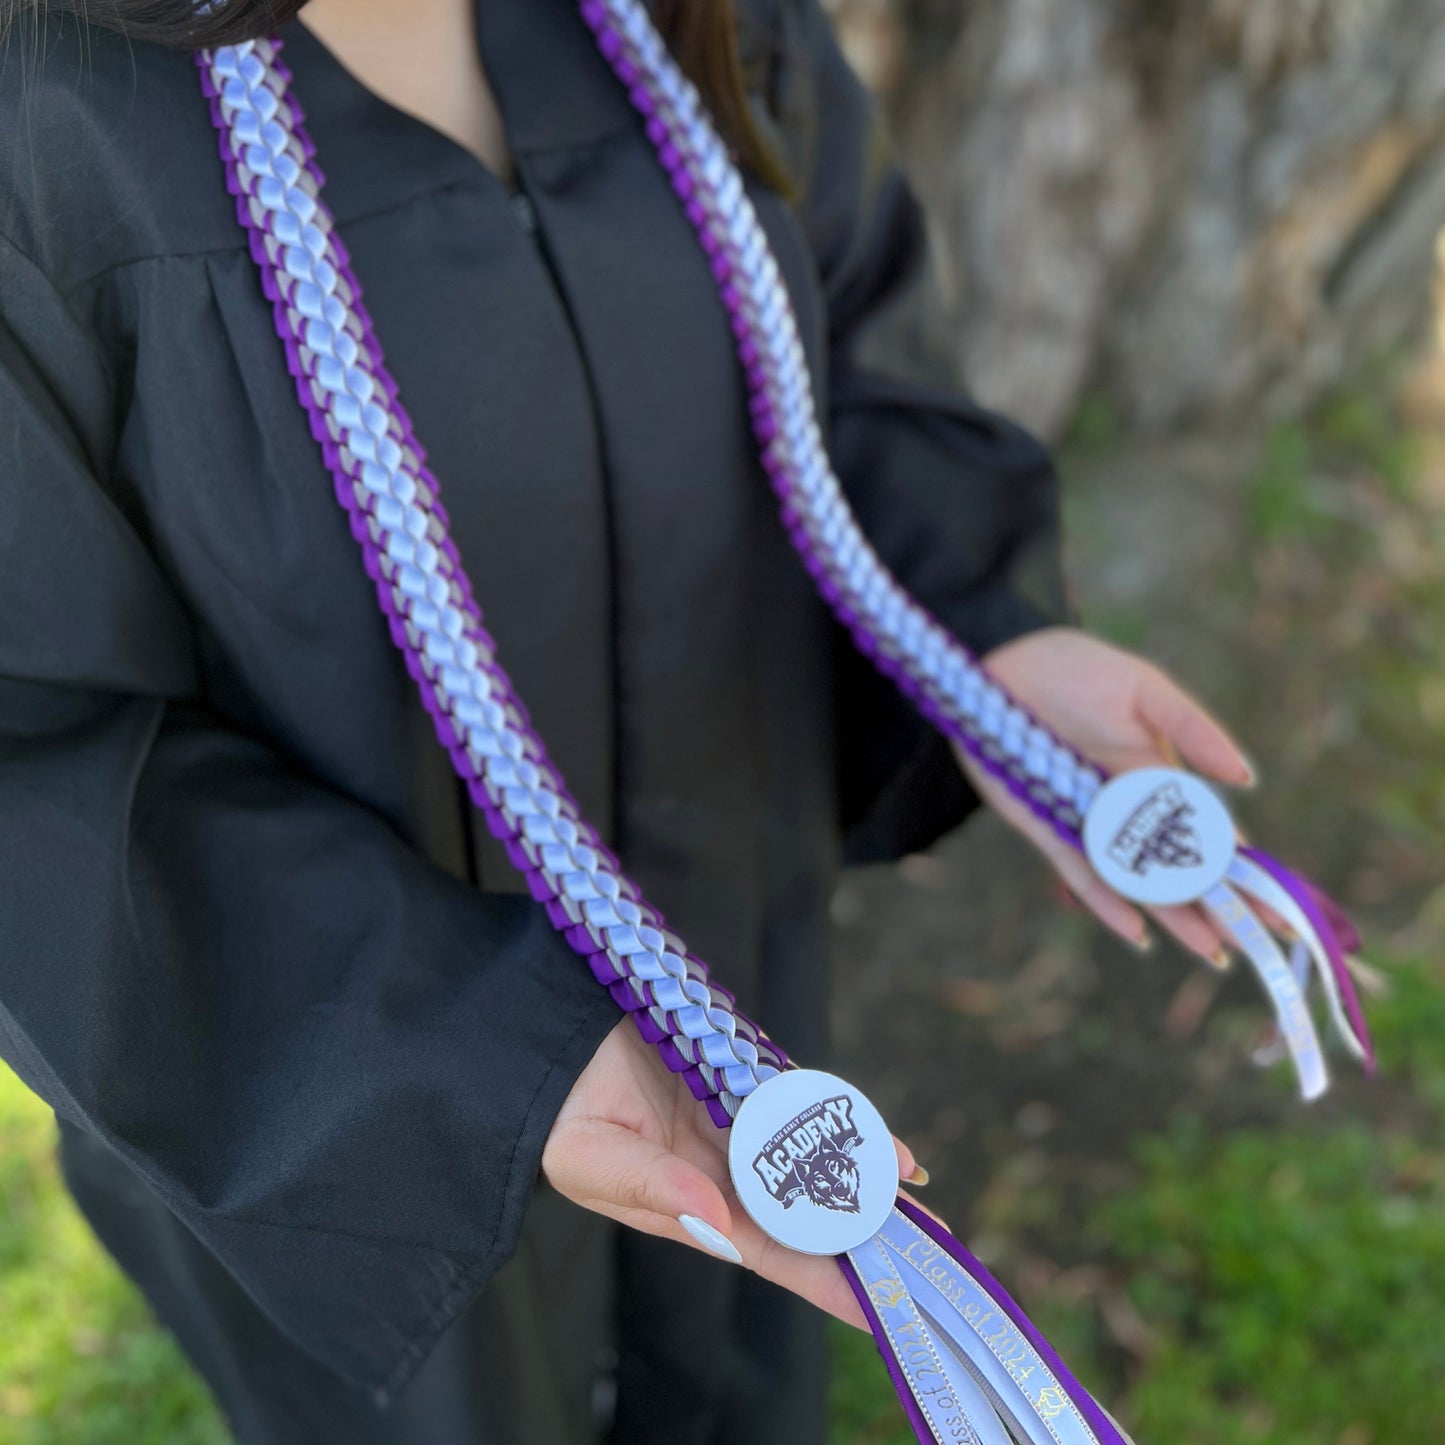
947	1403
1244	926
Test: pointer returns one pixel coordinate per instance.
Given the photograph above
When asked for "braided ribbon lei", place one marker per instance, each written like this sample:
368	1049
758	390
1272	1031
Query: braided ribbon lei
967	1364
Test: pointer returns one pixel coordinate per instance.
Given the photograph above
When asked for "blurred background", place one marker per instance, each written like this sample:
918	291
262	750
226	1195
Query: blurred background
1197	244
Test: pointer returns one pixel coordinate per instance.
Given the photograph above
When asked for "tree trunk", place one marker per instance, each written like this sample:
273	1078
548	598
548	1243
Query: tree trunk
1204	208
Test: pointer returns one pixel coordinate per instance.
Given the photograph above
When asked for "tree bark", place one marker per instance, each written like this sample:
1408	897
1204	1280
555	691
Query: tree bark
1205	208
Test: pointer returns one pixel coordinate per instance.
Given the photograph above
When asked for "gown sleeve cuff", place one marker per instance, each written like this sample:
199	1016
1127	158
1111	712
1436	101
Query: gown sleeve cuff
464	1278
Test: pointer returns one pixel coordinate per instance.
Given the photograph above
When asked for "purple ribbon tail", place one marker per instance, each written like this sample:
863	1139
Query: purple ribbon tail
1338	935
1345	930
920	1426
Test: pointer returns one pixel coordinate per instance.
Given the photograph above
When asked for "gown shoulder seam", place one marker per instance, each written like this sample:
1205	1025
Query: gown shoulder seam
201	253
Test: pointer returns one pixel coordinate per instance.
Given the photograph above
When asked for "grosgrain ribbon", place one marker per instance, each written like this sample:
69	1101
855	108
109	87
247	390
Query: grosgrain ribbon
393	504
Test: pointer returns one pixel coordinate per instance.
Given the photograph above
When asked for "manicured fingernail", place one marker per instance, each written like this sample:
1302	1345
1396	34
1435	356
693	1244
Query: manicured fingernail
1250	778
1142	942
920	1176
1168	751
712	1240
1221	959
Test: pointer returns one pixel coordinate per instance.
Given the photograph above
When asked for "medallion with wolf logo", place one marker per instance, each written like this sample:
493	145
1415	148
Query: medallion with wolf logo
811	1158
1158	833
813	1162
1159	836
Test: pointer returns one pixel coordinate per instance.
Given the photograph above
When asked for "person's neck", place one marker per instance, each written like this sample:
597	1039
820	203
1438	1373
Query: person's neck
421	56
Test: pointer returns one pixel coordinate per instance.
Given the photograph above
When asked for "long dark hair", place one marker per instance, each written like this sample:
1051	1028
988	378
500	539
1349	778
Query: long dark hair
702	34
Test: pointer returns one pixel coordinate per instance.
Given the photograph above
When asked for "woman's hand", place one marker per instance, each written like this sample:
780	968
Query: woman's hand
1121	712
632	1143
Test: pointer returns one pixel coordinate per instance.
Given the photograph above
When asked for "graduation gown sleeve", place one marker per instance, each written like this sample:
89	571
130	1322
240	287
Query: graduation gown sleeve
334	1061
961	503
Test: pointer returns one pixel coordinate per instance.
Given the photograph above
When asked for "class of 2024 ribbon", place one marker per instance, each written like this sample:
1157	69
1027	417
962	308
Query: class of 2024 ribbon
811	1161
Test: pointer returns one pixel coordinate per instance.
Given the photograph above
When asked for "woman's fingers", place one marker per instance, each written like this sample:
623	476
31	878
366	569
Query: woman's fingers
1167	711
679	1190
906	1162
1115	913
816	1277
1188	926
813	1277
631	1143
1191	928
611	1170
607	1167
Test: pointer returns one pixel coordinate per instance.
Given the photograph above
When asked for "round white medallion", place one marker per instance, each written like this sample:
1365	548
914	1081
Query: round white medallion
813	1162
1159	836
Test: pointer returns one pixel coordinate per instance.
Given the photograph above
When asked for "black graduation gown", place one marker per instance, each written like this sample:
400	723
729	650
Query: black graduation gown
304	1034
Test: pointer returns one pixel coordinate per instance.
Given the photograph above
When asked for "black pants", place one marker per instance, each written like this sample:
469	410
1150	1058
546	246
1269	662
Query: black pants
589	1334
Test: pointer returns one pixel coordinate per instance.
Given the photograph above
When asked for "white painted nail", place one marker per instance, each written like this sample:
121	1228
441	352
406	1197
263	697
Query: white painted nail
712	1240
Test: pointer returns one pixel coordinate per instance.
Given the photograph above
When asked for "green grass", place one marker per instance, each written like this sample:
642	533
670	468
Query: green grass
1354	433
81	1361
1361	426
1096	427
862	1404
1293	1282
1283	500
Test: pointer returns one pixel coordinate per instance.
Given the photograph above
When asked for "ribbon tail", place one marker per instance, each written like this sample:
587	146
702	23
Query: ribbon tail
938	1392
1244	926
1307	946
1324	928
986	1405
934	1308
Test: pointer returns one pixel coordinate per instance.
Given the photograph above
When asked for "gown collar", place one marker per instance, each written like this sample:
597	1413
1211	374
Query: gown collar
552	87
